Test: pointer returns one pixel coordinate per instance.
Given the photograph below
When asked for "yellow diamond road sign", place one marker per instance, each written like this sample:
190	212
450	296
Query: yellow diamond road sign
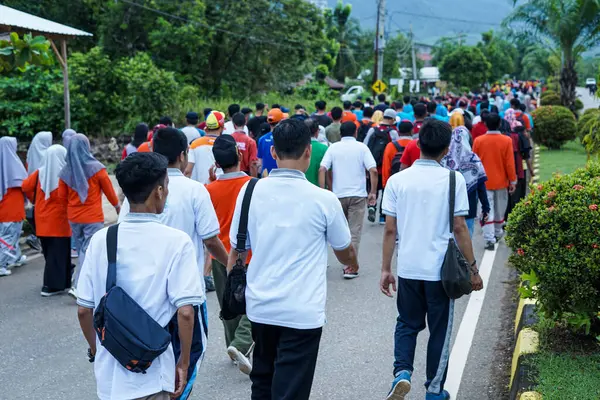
379	86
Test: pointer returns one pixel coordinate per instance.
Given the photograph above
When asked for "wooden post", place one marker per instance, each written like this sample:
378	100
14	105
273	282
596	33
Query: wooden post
66	85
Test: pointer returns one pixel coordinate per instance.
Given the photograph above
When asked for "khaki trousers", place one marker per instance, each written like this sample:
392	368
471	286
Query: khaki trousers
354	210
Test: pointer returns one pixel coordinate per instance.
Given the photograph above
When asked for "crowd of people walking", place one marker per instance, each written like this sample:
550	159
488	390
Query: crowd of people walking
271	189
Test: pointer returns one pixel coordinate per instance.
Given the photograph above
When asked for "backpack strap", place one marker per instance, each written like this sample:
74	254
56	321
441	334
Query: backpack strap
111	251
397	146
452	199
243	225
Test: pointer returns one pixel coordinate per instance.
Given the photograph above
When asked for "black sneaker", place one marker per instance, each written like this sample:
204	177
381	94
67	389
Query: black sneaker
47	292
350	275
490	246
372	212
34	243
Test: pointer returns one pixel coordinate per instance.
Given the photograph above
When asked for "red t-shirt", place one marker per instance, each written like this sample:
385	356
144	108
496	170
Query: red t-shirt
248	149
479	129
411	153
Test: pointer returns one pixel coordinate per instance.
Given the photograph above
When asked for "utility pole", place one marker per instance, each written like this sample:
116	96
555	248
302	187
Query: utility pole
414	58
379	41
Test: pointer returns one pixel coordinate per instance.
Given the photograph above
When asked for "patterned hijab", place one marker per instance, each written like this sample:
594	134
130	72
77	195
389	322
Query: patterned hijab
81	166
462	159
37	150
52	165
511	117
12	170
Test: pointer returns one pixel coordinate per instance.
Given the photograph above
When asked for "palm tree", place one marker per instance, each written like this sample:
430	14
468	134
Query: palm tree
346	32
571	25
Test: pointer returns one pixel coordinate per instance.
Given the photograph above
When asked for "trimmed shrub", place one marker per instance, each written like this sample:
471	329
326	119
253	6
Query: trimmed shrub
552	99
548	92
578	105
555	235
554	126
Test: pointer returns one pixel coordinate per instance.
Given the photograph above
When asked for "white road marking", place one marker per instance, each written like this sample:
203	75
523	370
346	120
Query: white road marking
466	331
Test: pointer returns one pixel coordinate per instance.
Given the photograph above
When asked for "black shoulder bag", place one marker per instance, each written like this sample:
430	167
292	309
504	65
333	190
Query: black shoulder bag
124	328
456	274
234	296
30	212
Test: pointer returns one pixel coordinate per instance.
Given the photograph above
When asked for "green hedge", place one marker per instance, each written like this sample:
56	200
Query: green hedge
554	126
554	235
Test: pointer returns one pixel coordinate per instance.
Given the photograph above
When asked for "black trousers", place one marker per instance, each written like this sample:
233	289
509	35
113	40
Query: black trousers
284	362
518	195
57	253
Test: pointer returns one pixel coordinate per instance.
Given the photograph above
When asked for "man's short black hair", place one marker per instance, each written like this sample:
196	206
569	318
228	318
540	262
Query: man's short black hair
276	105
381	97
139	173
420	110
299	107
206	112
169	142
246	110
233	109
336	113
492	121
461	104
515	103
358	105
431	107
484	114
406	128
368	112
484	97
439	98
166	121
522	107
260	106
313	126
494	109
320	105
485	105
434	137
348	129
473	109
291	137
406	99
238	119
347	105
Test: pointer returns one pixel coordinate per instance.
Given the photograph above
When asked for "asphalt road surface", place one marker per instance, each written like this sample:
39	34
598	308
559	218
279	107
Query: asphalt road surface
43	353
588	101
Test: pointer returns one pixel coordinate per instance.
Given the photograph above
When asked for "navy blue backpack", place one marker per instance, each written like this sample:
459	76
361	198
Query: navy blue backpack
124	328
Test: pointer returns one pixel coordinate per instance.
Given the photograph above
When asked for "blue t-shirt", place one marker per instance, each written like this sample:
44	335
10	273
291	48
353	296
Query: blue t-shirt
264	152
408	108
441	110
359	114
445	119
404	115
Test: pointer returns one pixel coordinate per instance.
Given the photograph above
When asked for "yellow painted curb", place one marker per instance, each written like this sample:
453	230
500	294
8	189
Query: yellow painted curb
522	304
531	396
527	343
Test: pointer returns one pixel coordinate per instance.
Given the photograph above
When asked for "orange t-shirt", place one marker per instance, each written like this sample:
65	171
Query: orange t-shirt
91	211
145	147
223	194
12	206
50	215
496	153
388	157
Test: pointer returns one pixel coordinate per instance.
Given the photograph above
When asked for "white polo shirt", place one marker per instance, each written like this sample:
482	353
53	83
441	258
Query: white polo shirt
419	198
156	266
188	209
349	159
290	223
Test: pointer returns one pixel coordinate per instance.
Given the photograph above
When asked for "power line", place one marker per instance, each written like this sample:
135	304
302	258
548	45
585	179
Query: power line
445	18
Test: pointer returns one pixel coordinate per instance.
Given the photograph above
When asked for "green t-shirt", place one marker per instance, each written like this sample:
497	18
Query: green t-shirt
318	151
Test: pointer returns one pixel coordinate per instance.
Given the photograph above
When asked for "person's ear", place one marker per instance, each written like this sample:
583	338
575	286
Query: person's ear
308	151
274	153
419	144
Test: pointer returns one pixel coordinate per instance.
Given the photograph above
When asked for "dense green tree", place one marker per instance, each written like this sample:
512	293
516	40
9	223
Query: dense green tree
19	52
500	53
465	67
442	47
344	32
397	54
571	25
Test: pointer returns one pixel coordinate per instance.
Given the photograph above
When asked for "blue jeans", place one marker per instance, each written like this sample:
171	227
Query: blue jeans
418	300
82	233
471	225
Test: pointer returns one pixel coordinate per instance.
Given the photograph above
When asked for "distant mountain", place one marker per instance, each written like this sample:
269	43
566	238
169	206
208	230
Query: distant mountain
432	19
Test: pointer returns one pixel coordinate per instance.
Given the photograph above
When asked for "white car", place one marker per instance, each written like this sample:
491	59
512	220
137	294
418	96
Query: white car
352	93
589	82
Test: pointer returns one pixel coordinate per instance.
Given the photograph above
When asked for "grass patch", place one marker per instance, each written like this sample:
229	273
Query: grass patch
564	161
568	376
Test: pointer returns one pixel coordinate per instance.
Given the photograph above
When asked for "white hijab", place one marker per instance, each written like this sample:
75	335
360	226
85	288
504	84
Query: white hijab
52	164
37	149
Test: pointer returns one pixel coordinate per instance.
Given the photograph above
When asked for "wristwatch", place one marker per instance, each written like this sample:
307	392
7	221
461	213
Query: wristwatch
474	269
